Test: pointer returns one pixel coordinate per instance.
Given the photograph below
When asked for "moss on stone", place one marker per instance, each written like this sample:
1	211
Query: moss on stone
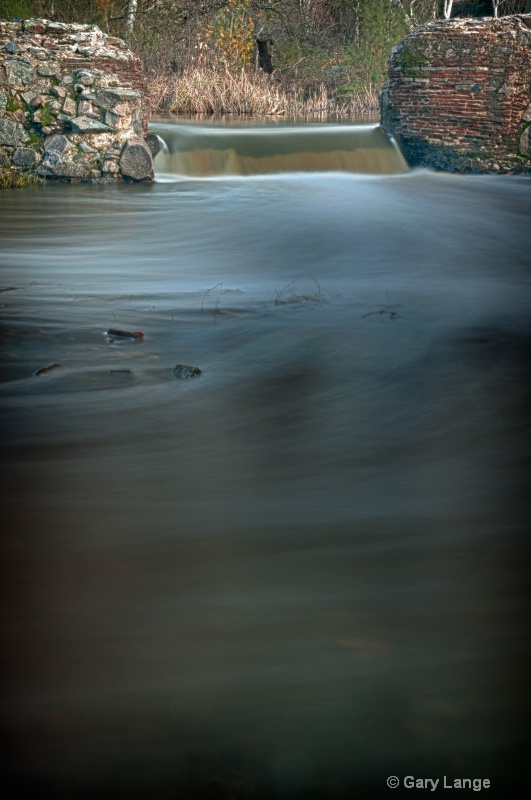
414	58
45	115
35	139
12	105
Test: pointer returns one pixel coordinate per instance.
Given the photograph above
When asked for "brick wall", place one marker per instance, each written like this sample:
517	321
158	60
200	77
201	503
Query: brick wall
458	95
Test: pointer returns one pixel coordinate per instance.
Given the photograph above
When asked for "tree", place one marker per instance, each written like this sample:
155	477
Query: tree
130	17
447	8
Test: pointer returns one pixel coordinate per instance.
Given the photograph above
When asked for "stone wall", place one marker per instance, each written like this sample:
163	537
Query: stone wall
73	104
459	95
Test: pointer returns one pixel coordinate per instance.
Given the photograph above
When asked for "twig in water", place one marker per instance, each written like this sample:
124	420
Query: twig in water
317	297
218	285
392	314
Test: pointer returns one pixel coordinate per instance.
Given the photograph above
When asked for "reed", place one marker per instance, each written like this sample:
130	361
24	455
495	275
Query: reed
208	91
16	179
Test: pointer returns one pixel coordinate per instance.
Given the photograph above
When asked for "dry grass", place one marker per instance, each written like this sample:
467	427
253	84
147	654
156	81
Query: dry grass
205	91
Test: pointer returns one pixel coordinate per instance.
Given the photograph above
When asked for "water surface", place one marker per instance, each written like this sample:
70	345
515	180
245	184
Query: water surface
303	570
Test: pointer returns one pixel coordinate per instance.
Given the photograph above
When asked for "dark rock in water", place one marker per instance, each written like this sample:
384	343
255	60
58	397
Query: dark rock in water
49	368
182	371
116	334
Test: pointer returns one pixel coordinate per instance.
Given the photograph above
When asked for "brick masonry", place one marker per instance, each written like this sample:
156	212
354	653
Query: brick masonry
458	95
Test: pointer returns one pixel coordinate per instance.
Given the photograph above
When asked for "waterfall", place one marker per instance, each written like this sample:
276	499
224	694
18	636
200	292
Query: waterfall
204	151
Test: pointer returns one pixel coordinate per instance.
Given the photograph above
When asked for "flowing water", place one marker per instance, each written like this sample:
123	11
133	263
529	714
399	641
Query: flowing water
302	570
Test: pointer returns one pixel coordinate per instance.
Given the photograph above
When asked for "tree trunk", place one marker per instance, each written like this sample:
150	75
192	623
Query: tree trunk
264	55
130	16
447	10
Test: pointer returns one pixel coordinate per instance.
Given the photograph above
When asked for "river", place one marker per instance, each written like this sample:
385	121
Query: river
302	570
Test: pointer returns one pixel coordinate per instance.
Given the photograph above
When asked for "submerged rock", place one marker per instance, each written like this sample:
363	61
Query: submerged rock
184	371
114	333
46	370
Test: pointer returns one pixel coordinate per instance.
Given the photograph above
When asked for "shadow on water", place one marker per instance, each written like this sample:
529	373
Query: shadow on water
304	569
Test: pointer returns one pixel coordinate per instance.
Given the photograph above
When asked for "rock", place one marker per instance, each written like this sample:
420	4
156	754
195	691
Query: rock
86	148
111	119
59	91
37	90
46	71
58	167
85	108
12	133
525	142
85	124
136	161
85	77
19	73
69	107
120	94
110	166
37	101
56	143
154	143
25	157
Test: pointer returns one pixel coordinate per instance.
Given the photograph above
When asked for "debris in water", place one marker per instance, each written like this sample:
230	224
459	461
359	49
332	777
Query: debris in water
381	311
183	371
120	371
49	368
116	334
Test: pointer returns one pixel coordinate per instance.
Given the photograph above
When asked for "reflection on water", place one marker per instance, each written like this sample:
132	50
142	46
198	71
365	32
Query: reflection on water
303	570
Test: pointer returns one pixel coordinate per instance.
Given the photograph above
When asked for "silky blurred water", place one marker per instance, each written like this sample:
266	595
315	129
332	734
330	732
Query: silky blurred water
303	570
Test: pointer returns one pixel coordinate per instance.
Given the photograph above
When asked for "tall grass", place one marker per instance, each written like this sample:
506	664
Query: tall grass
208	91
16	179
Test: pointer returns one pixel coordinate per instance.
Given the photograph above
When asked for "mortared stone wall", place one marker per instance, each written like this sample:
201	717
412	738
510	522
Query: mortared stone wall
73	104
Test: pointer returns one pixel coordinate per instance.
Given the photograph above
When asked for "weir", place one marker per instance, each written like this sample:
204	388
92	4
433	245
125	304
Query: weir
204	151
